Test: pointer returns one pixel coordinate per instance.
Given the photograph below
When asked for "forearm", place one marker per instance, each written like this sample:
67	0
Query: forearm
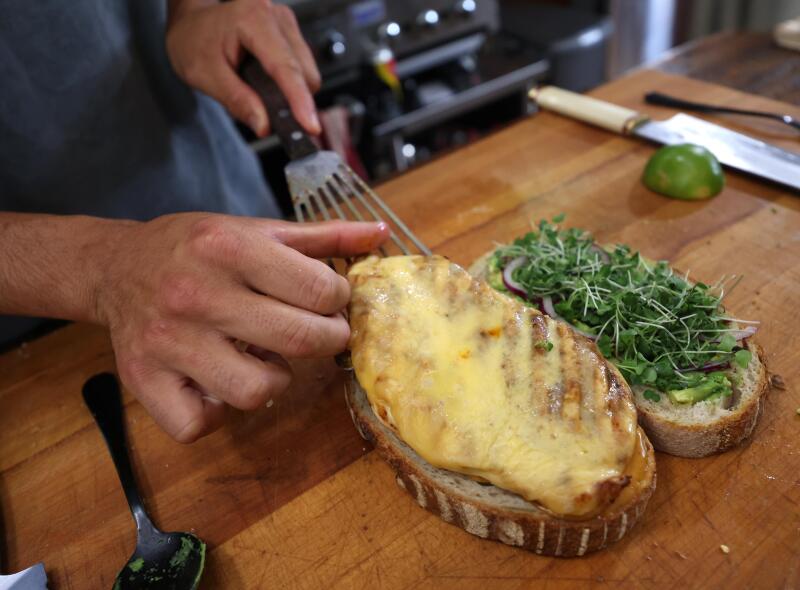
52	266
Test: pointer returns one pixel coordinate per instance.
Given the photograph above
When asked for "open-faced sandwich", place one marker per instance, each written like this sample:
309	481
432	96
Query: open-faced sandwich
699	381
494	416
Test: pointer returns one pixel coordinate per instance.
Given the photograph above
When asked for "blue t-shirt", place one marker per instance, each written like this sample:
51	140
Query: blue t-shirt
93	120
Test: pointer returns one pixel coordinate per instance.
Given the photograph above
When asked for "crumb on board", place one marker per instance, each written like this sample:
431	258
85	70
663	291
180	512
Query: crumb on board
725	549
270	403
777	382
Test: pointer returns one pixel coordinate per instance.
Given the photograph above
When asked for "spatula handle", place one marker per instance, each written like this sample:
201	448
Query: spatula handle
587	109
102	396
296	142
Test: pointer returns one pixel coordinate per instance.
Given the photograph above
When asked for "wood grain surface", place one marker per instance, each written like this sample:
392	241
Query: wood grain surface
745	60
290	497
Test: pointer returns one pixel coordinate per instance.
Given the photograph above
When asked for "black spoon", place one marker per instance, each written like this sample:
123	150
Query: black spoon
678	103
161	561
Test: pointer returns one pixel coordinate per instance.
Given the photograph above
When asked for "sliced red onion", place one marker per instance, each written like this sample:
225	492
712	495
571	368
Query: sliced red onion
708	367
738	335
744	333
605	257
549	309
547	306
508	278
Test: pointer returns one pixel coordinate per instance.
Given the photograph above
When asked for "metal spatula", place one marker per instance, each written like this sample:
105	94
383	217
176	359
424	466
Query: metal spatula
321	184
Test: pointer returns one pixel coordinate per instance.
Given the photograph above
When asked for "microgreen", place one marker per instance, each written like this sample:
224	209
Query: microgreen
651	395
742	357
657	327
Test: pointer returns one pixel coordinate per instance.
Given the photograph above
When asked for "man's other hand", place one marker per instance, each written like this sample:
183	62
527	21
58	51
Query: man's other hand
206	41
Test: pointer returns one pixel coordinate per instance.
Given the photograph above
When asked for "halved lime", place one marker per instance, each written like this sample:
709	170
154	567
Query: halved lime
684	171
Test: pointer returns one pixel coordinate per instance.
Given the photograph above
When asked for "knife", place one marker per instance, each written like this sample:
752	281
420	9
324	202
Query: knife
730	148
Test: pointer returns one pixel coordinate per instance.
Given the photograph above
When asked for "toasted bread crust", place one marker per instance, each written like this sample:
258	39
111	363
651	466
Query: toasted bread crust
693	440
490	512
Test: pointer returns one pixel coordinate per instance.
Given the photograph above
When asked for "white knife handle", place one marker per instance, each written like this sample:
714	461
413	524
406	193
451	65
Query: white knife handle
584	108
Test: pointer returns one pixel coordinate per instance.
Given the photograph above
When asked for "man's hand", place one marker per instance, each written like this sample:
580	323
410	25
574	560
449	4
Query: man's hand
202	309
183	293
206	41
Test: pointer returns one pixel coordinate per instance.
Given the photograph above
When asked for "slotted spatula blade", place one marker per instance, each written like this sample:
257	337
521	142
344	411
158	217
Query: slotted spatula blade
320	183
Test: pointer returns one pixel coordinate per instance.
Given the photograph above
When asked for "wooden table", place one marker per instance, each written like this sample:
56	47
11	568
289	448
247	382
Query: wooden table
290	496
746	61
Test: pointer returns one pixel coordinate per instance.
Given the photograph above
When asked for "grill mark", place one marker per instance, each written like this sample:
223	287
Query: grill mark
545	398
571	409
555	399
593	375
451	292
555	394
483	294
511	323
539	333
600	381
513	341
460	287
570	369
614	398
615	387
509	376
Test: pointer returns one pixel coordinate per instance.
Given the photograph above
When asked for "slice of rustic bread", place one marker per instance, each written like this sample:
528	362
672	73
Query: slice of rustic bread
706	428
702	429
490	512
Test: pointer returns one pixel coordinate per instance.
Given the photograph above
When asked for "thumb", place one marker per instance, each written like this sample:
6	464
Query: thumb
332	238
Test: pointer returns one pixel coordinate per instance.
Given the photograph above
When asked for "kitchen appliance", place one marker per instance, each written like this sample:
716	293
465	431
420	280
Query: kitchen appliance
730	148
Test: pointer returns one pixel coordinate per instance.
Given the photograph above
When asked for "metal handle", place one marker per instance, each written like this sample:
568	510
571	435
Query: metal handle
102	396
669	101
587	109
296	142
678	103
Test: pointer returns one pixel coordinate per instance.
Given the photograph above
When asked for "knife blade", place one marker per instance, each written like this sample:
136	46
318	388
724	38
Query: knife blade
732	149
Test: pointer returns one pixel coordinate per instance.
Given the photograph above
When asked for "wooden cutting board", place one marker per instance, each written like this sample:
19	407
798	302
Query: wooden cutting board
290	496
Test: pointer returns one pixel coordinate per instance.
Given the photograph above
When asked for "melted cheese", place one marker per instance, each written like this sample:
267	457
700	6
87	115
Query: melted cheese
454	368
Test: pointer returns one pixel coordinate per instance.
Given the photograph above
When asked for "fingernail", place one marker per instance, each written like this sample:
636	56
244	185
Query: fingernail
379	237
254	121
213	400
315	122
